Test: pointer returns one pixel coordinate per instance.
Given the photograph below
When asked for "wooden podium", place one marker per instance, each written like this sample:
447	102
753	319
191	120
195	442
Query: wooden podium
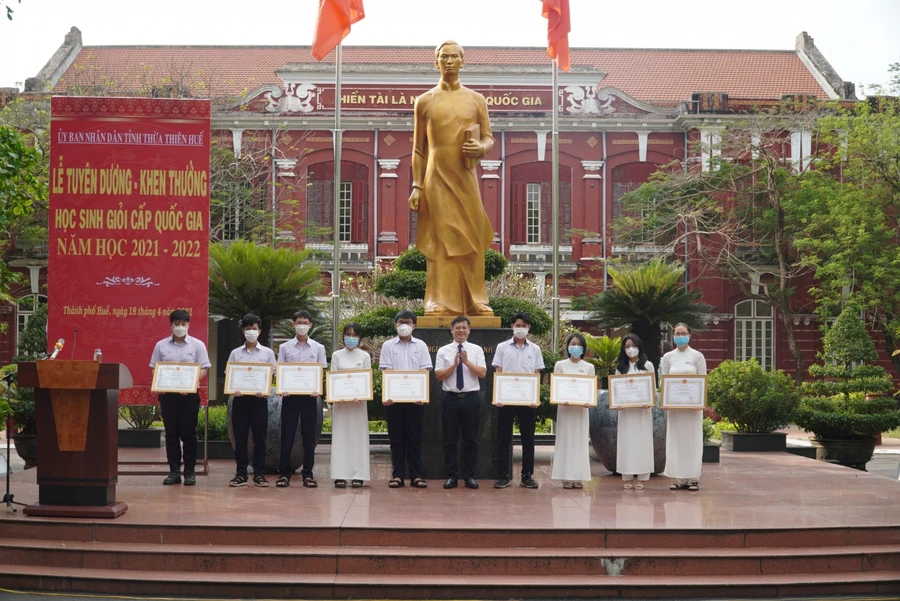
77	411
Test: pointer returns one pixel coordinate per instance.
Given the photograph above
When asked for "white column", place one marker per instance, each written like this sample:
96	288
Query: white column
642	145
236	135
388	171
541	143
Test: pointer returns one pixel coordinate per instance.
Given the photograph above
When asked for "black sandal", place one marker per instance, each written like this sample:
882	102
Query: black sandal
283	482
693	486
418	483
310	483
238	481
340	484
677	486
395	483
356	483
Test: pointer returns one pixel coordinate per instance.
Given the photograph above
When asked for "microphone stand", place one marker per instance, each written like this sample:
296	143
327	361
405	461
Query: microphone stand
8	498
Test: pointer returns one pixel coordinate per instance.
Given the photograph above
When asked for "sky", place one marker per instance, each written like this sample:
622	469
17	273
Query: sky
858	38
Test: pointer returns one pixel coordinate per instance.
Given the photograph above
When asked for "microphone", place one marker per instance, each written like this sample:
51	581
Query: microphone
74	341
57	347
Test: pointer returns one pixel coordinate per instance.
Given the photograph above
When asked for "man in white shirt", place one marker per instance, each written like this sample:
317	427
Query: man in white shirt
250	412
179	411
522	356
299	408
460	366
404	420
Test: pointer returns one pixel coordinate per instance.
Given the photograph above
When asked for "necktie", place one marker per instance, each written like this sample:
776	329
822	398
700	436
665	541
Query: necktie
459	374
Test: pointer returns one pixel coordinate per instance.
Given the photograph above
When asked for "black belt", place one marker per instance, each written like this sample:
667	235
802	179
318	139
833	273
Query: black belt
460	395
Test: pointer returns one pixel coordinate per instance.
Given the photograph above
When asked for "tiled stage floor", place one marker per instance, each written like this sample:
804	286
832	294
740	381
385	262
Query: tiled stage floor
746	491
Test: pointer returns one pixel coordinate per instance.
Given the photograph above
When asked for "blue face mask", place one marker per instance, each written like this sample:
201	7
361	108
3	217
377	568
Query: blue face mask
681	340
351	342
576	351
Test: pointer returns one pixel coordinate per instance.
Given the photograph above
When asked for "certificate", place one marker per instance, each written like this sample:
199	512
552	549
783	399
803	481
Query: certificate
349	385
248	378
175	377
683	392
298	378
573	389
632	391
517	389
405	386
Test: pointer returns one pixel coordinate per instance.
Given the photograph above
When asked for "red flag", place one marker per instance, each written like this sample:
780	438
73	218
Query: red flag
333	24
558	27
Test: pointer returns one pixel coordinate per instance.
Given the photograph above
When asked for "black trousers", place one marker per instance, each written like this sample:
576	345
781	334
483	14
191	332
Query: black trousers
525	416
250	414
179	415
404	422
302	409
461	413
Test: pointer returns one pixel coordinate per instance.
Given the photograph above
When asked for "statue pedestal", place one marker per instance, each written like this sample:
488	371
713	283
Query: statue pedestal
443	321
433	434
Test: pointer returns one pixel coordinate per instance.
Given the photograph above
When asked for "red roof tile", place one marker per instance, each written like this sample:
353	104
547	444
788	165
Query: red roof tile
646	74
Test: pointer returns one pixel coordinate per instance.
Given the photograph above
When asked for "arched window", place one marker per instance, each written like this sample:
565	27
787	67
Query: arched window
532	203
754	326
353	199
627	178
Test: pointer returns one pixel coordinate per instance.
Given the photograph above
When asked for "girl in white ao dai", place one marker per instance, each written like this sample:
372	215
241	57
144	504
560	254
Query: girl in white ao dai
350	420
571	462
634	435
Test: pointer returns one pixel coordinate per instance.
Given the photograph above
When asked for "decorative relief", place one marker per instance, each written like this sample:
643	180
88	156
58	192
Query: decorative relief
583	100
294	98
127	281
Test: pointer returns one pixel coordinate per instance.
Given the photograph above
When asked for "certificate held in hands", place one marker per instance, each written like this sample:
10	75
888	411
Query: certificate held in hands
683	392
302	379
517	389
632	391
175	377
350	385
248	378
573	389
405	386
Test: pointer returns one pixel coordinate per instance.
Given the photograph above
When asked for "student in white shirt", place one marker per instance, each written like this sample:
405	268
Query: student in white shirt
350	419
250	413
460	366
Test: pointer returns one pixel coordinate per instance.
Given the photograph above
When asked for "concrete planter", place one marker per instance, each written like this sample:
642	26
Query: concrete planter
745	442
850	453
218	449
140	438
710	452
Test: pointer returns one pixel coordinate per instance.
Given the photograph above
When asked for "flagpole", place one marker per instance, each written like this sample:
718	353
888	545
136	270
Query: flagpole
555	200
336	202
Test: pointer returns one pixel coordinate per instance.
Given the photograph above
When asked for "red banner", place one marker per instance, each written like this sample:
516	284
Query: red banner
129	227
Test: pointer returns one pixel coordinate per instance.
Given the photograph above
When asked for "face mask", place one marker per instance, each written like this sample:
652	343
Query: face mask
520	333
302	329
576	351
351	342
404	330
681	340
251	335
180	331
632	351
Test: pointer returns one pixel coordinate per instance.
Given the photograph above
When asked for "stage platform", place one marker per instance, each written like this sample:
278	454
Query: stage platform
762	525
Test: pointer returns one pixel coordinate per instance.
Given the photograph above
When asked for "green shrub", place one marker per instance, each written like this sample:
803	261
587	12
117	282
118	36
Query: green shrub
550	359
218	423
605	351
753	399
140	417
709	429
379	322
505	308
850	417
402	284
410	260
413	260
545	410
494	264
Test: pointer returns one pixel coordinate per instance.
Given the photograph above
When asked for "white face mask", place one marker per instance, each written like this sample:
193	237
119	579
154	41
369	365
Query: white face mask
520	333
632	351
302	329
180	331
404	330
251	335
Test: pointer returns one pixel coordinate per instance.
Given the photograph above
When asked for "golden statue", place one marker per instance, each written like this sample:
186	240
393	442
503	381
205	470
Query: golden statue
451	134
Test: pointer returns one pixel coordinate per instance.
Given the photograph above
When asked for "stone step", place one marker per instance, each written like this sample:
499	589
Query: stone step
394	586
412	561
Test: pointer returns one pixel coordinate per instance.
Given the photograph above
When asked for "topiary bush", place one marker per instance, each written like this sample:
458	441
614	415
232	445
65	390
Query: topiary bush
494	264
505	308
413	260
402	284
379	322
753	399
853	417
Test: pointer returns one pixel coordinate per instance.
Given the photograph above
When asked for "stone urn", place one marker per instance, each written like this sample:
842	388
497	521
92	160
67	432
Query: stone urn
604	434
273	435
26	447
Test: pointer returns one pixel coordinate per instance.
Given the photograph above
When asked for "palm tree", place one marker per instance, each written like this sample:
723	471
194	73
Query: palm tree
646	297
268	282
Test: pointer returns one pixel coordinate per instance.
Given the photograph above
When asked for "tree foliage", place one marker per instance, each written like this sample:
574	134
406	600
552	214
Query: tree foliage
753	399
268	282
506	307
646	297
413	260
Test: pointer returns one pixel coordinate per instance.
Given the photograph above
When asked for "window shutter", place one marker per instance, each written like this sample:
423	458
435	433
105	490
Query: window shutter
518	216
546	211
359	210
565	210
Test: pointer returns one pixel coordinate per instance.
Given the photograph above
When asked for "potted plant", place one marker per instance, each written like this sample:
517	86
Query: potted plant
834	407
710	448
605	351
219	444
140	432
756	401
19	403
